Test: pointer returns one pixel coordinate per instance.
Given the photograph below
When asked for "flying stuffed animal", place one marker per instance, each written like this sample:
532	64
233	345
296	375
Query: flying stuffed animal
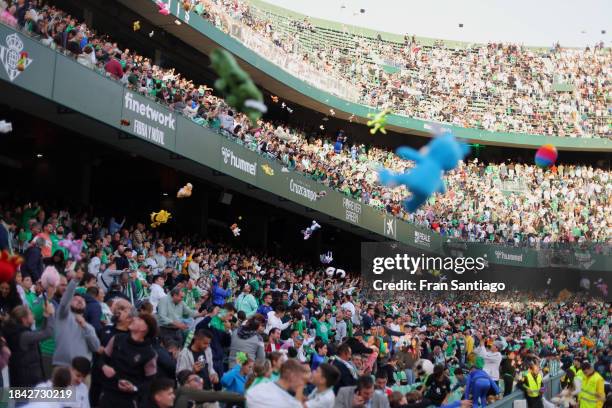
5	127
378	121
187	5
158	218
163	8
267	169
240	91
136	25
440	155
326	258
310	230
8	266
185	191
23	60
332	272
602	286
74	247
235	229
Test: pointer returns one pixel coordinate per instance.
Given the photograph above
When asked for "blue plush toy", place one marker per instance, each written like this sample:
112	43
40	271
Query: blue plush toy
440	155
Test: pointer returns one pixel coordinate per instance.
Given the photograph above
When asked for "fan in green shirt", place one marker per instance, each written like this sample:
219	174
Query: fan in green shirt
191	295
322	327
55	240
28	213
247	302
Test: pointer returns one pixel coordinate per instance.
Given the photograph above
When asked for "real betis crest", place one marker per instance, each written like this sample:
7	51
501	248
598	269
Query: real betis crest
13	58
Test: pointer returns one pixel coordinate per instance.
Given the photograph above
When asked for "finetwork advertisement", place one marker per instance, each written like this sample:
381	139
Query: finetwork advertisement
148	120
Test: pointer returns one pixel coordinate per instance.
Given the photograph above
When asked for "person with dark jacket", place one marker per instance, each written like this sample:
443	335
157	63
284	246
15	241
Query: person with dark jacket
357	346
33	260
93	309
25	365
9	297
166	363
123	314
129	364
220	342
507	371
348	372
58	261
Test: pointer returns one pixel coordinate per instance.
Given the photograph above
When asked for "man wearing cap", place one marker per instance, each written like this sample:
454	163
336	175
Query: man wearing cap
592	394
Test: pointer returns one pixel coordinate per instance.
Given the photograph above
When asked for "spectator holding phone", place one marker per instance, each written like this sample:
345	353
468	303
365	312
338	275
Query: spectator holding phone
130	364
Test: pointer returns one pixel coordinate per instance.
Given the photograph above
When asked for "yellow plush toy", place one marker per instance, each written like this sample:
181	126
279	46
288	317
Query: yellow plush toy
158	218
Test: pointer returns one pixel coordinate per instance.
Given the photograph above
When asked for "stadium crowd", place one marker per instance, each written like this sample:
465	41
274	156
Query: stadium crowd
137	311
497	87
495	202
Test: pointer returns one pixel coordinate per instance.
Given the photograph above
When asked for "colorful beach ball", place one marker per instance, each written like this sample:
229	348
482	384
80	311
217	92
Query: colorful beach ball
546	156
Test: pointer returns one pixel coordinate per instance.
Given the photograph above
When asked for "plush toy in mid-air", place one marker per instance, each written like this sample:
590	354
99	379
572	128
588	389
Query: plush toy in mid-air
441	154
602	286
8	266
240	91
332	272
136	25
378	121
423	367
326	258
269	171
50	278
185	191
235	229
310	230
22	61
187	5
73	246
158	218
163	8
5	127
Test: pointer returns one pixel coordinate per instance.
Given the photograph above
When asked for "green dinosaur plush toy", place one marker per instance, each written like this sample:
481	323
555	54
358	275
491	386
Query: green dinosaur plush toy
239	90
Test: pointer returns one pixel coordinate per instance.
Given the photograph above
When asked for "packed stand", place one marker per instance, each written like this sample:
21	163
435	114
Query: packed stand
508	202
498	87
135	314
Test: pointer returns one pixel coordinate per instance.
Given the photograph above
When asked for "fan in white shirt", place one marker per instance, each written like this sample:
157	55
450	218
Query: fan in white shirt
293	378
275	319
157	291
70	380
324	378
